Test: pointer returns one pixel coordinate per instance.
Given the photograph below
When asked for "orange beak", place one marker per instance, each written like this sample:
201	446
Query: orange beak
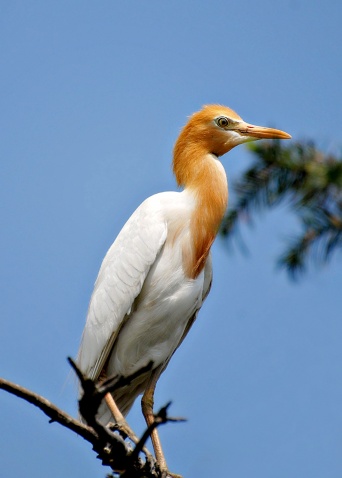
261	132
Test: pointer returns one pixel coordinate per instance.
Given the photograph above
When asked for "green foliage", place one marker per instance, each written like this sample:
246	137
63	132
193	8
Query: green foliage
311	184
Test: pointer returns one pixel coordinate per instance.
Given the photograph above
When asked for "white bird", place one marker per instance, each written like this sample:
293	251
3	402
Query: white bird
156	275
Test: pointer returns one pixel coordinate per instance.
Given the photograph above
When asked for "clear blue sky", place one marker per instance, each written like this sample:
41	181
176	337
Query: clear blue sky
93	95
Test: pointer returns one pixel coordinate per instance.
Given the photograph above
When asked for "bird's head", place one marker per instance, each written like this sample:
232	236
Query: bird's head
215	130
219	129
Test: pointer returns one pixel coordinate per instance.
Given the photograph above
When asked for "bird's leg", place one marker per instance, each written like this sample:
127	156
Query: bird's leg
147	409
147	402
122	424
120	420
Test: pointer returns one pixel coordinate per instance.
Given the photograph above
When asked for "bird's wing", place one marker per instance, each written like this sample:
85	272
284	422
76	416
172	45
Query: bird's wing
119	282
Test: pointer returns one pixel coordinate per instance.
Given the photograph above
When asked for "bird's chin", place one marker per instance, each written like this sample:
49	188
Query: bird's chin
235	138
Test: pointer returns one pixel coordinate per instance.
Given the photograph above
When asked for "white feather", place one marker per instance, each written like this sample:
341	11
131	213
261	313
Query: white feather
142	301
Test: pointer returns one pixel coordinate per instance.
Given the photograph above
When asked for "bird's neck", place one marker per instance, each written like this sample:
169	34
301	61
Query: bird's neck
203	175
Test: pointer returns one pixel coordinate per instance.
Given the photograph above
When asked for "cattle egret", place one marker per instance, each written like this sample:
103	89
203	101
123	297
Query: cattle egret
158	272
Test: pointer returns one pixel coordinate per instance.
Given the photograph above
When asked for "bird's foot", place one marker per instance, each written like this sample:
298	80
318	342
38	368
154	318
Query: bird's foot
163	472
168	474
125	430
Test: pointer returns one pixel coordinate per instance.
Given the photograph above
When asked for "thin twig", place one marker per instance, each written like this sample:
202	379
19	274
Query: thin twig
160	418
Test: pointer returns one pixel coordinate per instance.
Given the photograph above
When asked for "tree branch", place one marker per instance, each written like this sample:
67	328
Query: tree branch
110	446
54	413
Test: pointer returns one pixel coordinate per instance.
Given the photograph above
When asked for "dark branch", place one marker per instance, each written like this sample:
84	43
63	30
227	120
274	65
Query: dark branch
94	393
111	448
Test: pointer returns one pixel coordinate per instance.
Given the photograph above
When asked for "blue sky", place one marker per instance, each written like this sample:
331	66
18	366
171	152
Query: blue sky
93	97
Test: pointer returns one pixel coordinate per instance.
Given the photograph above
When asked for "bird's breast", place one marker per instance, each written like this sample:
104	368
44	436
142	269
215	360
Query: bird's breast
160	314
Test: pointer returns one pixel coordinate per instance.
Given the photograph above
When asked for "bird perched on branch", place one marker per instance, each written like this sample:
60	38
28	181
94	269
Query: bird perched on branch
158	272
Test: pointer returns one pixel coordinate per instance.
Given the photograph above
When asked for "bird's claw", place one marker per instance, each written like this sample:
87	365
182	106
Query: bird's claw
168	474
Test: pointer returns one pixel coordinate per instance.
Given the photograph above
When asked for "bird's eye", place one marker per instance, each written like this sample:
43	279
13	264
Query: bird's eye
222	122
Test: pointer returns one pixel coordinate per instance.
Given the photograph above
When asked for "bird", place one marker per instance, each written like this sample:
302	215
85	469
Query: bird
158	272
